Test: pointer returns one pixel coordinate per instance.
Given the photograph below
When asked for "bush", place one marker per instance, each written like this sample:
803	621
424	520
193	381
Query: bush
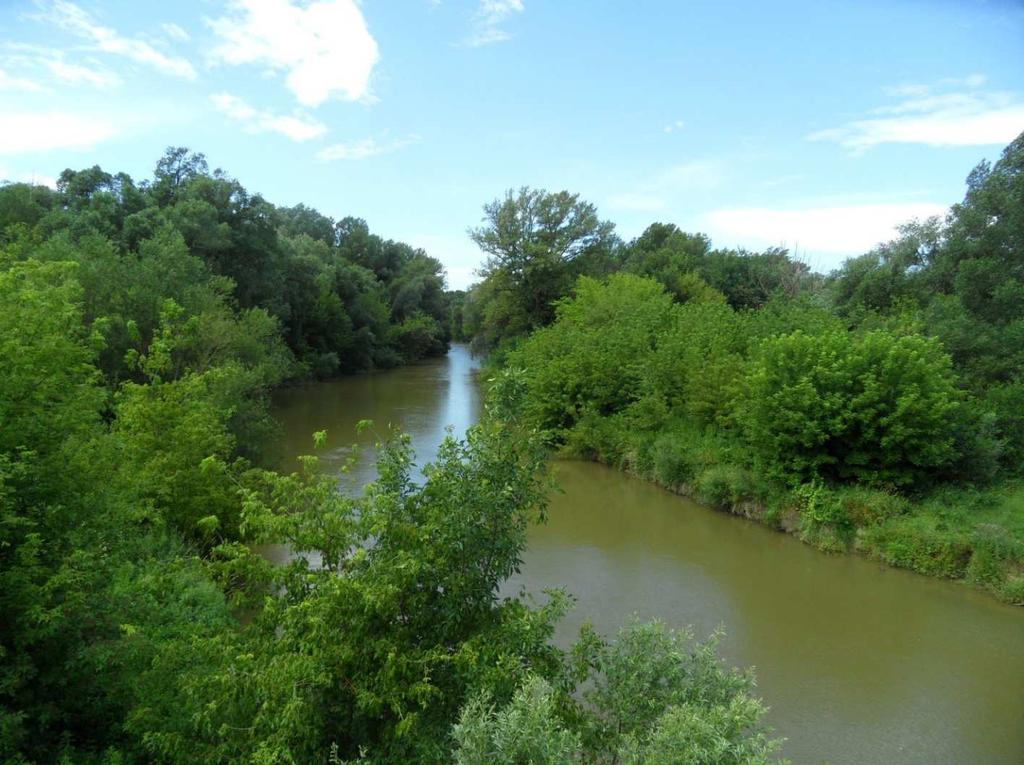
866	507
918	543
593	359
420	336
726	485
877	409
672	460
994	552
602	438
1012	589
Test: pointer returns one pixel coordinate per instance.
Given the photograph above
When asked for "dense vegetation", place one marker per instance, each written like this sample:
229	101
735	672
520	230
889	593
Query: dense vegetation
140	329
879	408
339	298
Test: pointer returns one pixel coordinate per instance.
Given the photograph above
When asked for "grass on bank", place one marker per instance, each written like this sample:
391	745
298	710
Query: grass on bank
961	533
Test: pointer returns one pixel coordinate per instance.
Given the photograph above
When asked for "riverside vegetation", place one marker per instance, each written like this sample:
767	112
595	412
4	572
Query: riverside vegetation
143	324
878	409
141	327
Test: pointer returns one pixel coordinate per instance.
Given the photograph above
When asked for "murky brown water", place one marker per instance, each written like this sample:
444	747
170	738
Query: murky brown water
859	663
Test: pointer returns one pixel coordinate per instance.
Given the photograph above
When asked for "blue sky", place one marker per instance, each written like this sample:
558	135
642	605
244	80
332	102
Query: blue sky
814	125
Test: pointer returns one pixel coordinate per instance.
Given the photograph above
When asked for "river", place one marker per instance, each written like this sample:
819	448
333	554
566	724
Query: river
859	663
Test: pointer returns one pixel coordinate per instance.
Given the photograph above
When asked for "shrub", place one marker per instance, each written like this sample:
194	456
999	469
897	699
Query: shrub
725	485
420	336
1012	589
603	438
994	551
918	543
593	358
866	507
878	409
672	459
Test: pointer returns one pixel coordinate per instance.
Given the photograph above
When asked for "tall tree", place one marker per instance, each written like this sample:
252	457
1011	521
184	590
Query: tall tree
537	243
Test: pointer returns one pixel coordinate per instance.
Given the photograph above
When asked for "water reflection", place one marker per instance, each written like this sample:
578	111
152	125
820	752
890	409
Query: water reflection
421	399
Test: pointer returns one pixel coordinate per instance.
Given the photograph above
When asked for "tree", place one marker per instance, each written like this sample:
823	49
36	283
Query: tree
537	243
593	359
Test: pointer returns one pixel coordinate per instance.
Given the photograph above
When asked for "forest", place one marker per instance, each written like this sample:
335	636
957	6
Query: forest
142	327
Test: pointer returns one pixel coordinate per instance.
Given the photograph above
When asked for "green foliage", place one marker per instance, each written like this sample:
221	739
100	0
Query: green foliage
141	329
724	485
372	646
537	244
653	697
690	270
694	734
845	410
524	730
876	409
592	359
920	542
420	336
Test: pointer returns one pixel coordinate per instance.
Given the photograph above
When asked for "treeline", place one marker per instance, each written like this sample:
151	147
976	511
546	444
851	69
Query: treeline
340	298
879	408
140	329
539	244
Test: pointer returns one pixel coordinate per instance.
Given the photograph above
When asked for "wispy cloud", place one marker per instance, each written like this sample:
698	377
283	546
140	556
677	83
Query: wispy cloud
655	195
48	66
175	32
365	148
77	21
953	113
9	82
830	231
42	131
324	48
638	202
297	128
673	126
489	20
78	74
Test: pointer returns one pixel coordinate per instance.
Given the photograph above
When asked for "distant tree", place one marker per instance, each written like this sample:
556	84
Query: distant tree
175	169
746	279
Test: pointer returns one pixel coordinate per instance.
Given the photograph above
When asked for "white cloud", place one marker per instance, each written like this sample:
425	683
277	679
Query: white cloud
489	19
74	19
43	131
10	82
77	74
672	126
263	121
364	148
825	231
175	32
324	47
967	117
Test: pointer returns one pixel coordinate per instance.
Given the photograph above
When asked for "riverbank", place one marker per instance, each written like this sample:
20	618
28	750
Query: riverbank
862	440
968	534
